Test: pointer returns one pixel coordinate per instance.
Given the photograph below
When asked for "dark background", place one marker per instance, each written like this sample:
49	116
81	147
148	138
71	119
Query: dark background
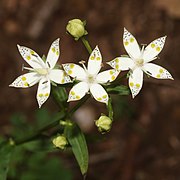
144	142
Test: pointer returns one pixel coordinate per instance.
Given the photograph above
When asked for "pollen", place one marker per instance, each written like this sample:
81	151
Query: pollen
28	57
98	58
161	71
53	49
131	84
23	78
152	45
158	49
132	40
126	43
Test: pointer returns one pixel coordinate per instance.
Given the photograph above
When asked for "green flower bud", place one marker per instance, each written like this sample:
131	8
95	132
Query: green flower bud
76	28
104	123
60	142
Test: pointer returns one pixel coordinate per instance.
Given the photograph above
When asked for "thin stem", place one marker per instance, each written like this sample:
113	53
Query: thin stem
86	44
82	101
38	132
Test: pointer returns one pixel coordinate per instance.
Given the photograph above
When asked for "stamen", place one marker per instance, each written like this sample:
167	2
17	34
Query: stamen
83	62
27	68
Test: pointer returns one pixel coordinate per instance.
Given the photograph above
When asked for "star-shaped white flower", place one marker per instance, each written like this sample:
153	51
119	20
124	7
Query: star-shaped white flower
41	72
90	78
139	61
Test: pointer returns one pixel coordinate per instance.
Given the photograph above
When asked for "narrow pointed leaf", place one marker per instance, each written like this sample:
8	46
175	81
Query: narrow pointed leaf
5	155
79	147
120	90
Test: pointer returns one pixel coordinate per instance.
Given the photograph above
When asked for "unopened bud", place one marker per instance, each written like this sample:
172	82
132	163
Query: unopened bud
76	28
60	142
104	123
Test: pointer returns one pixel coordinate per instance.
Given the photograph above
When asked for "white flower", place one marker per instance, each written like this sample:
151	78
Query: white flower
41	72
90	78
139	61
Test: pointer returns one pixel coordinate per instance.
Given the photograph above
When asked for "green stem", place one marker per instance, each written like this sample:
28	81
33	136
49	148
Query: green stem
86	44
38	132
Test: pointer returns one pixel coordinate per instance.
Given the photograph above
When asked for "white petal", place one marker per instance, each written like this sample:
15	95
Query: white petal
43	91
136	81
156	71
26	80
75	71
59	76
107	76
131	45
153	49
78	91
99	93
31	57
53	54
121	63
95	61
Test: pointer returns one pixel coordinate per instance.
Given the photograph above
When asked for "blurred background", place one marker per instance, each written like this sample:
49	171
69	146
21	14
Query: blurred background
144	142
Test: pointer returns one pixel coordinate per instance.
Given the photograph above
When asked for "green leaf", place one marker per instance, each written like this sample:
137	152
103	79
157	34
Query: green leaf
120	90
5	155
79	147
60	95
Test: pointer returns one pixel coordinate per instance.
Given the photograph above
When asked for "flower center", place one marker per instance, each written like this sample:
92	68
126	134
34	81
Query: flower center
90	79
139	62
42	71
